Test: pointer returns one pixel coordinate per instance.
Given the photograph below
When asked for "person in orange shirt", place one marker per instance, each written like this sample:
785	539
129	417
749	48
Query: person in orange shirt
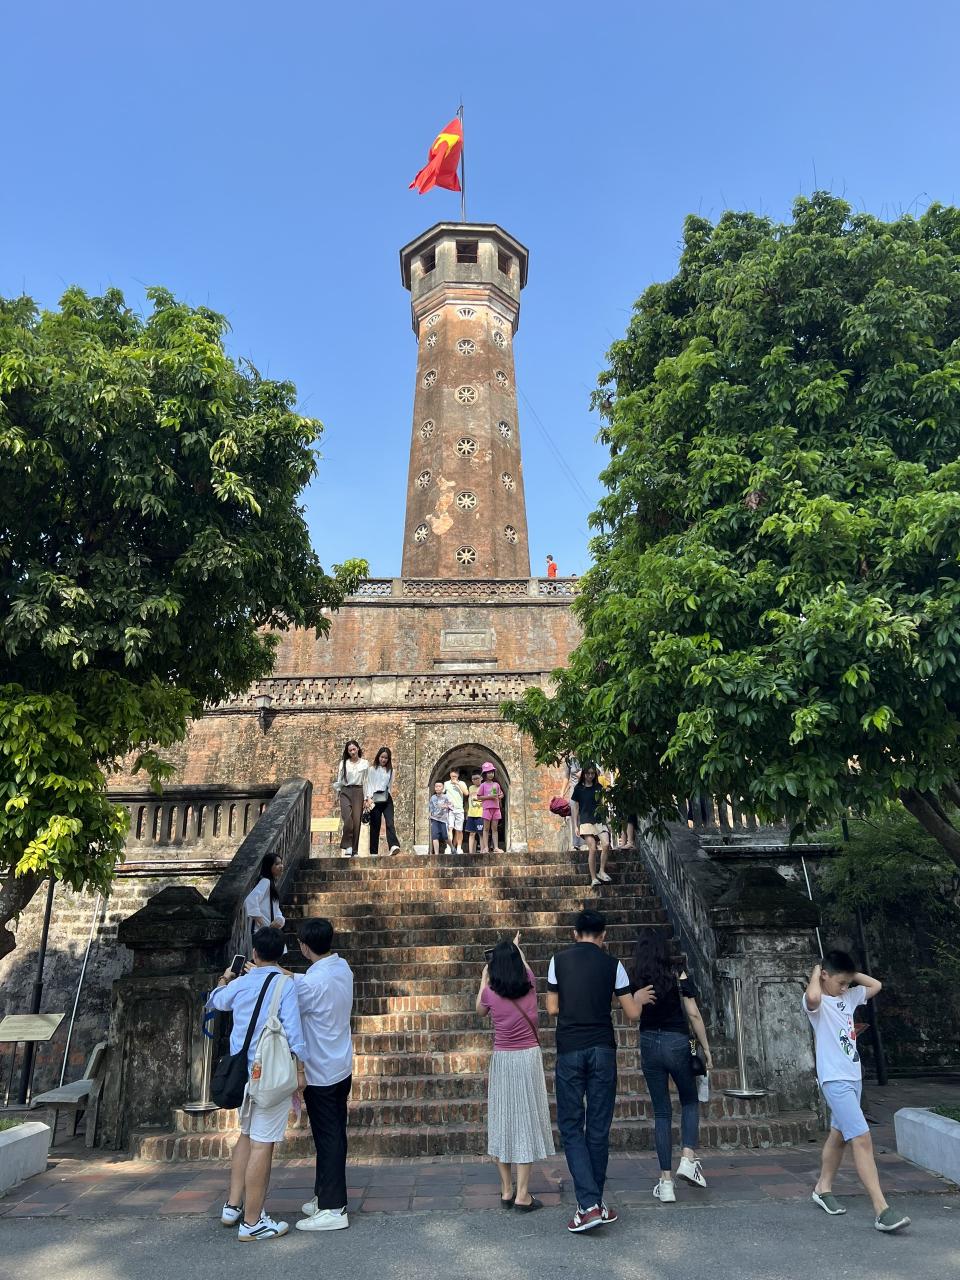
551	567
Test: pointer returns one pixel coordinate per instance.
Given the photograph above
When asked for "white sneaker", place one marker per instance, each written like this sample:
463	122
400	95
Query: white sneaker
691	1171
324	1220
265	1229
395	849
310	1208
664	1192
231	1214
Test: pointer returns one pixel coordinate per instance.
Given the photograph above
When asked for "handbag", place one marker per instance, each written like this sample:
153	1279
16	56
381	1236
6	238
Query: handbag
696	1058
380	797
560	806
231	1073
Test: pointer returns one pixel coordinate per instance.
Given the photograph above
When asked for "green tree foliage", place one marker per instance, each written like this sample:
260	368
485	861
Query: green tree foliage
774	609
151	544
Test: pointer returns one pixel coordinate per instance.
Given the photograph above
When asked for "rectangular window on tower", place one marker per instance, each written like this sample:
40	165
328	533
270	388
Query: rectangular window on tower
428	262
504	263
468	251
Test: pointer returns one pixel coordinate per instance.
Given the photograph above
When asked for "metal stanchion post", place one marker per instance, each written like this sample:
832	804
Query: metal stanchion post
743	1090
204	1102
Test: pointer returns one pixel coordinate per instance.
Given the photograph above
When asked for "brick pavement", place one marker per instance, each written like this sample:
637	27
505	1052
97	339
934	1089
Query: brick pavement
78	1187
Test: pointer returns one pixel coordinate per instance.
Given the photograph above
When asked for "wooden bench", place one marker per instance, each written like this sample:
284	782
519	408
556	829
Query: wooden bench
81	1095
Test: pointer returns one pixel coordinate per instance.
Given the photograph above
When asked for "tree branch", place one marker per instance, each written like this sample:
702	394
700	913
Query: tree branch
936	825
15	895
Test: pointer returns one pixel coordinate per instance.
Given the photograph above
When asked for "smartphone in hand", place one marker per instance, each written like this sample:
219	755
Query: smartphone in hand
237	963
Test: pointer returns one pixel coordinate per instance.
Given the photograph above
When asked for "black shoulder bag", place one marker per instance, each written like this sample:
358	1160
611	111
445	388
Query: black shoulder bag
696	1059
231	1073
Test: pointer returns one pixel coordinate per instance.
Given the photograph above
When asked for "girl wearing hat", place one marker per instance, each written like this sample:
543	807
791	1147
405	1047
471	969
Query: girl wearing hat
490	793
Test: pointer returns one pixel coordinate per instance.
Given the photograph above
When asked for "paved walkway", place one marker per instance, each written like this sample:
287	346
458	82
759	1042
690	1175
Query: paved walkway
78	1184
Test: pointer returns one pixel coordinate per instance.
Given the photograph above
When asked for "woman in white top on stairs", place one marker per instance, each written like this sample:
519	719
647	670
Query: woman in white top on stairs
349	787
261	906
378	801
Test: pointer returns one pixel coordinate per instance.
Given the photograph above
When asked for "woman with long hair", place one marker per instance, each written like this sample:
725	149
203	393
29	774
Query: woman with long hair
518	1116
261	906
349	788
665	1029
378	801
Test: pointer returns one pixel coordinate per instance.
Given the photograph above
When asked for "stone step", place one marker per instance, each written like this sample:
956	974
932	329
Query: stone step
365	947
503	916
398	1141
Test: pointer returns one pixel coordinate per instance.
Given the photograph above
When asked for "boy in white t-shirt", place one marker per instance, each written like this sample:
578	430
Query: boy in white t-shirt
834	992
456	793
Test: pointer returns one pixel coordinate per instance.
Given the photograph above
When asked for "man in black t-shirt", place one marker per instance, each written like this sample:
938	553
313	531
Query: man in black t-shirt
581	985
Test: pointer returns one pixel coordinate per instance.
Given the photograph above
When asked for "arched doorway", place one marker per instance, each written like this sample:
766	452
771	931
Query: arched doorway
466	758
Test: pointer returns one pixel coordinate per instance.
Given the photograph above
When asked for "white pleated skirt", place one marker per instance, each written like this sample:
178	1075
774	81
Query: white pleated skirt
518	1115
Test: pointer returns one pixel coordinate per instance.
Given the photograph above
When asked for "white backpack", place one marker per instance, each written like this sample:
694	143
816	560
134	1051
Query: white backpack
273	1075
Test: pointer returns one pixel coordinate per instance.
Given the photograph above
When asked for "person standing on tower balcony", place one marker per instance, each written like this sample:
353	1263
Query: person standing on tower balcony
349	787
378	801
551	567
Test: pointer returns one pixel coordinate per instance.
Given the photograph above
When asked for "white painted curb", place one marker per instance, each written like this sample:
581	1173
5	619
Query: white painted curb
23	1152
929	1140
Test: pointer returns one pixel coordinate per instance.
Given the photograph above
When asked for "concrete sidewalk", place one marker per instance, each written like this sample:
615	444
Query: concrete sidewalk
766	1241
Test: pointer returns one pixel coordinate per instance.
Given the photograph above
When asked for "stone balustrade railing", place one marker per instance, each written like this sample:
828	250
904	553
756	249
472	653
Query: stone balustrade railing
479	589
481	688
191	817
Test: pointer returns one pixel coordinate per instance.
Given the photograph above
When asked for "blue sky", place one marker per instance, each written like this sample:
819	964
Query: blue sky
256	157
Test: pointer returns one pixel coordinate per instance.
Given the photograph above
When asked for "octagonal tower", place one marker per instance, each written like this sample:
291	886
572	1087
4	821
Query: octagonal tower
466	515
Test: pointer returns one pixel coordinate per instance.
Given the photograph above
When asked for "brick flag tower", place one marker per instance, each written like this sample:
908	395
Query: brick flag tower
466	516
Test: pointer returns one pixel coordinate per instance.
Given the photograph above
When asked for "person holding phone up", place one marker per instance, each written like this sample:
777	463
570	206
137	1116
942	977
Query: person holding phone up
518	1115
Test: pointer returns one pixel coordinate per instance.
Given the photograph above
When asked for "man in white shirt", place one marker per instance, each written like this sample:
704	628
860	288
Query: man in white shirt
325	994
456	792
260	1127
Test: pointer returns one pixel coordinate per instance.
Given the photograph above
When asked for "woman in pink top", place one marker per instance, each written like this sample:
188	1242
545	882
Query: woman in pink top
518	1117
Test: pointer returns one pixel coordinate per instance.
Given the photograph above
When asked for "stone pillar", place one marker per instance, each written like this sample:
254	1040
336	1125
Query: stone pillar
764	935
178	943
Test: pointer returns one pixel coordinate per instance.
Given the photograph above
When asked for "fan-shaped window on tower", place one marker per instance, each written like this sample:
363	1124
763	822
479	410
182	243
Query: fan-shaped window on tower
427	429
423	479
509	532
432	340
466	555
430	377
420	533
432	320
467	347
498	321
466	395
501	378
499	339
505	429
507	480
466	313
466	501
466	447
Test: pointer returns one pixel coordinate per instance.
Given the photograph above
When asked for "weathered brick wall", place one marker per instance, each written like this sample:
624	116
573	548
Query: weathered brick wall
69	930
400	636
308	743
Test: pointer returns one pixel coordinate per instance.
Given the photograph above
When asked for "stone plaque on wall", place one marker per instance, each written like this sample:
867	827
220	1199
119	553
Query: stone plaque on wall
470	641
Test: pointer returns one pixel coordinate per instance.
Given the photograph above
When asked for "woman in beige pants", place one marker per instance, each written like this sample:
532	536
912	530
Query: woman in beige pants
349	787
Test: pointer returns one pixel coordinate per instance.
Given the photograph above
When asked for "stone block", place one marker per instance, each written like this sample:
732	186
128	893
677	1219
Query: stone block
23	1152
929	1140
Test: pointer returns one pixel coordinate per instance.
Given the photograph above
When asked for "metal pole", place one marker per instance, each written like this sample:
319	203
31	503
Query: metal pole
76	999
743	1090
204	1102
816	930
31	1048
463	169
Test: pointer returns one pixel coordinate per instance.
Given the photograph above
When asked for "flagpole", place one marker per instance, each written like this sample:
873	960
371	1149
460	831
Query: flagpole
463	169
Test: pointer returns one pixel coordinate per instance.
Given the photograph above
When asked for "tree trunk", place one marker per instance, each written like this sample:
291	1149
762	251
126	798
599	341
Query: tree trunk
934	823
15	894
951	792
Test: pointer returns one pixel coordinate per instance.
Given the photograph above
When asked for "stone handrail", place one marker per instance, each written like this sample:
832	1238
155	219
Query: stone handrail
191	817
465	588
283	829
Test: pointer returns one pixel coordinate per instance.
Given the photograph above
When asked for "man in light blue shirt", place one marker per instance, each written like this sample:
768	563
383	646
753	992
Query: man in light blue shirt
325	993
260	1127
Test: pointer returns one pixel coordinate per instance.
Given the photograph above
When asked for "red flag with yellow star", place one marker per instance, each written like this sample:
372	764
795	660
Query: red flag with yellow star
441	168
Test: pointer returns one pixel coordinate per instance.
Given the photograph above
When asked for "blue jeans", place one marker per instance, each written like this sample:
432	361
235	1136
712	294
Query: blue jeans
586	1087
664	1054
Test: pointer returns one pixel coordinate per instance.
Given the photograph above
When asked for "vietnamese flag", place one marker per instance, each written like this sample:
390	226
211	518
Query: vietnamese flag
441	168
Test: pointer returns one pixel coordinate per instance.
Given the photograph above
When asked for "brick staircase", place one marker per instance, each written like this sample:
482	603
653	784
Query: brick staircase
413	930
